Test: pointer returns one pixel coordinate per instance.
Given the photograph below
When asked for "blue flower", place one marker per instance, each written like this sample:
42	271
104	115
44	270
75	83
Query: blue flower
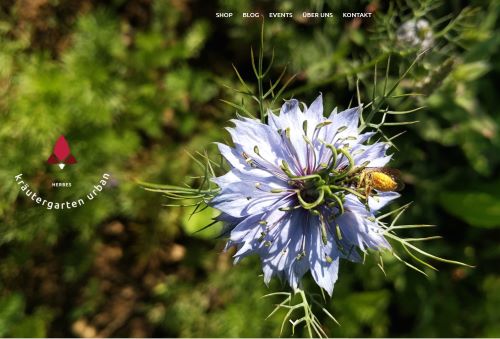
292	194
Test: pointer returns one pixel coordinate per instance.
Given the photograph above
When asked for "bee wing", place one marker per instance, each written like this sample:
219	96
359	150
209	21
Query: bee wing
395	175
401	185
393	172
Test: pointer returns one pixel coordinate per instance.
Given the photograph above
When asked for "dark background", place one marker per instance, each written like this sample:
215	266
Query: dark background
134	84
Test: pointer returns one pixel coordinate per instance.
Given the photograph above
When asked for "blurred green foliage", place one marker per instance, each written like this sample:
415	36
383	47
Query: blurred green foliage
134	84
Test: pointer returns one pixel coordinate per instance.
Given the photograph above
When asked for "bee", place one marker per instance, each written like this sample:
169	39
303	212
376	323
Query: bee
384	179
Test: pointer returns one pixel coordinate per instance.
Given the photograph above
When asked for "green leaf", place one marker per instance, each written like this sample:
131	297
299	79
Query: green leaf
480	208
11	310
471	71
34	326
200	219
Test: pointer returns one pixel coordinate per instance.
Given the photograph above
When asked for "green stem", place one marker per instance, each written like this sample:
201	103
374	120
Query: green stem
261	106
376	107
333	78
305	305
351	164
333	158
311	205
350	190
261	76
307	177
330	194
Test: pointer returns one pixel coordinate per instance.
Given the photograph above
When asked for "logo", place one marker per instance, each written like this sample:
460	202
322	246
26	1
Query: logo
62	154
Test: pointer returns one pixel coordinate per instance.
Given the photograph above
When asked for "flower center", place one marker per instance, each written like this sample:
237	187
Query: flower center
310	194
328	186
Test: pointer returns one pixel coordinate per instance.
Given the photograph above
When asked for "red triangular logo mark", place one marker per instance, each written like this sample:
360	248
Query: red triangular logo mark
70	160
52	160
61	155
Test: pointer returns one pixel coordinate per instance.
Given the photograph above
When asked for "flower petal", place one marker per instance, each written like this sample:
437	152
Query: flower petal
258	141
315	111
378	201
347	120
323	258
241	199
231	155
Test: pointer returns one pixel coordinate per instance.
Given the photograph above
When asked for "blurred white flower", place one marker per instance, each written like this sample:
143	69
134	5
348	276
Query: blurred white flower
416	34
